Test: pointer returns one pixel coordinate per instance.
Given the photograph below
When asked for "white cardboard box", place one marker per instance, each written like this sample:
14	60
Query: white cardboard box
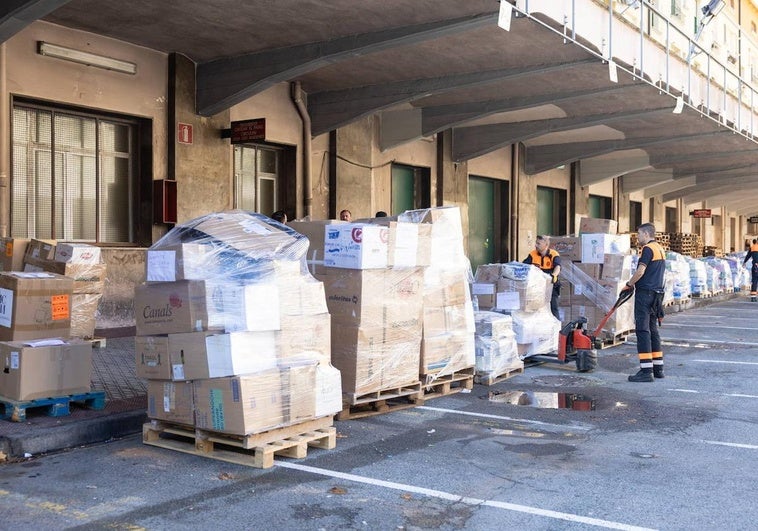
78	253
240	353
595	246
251	307
356	246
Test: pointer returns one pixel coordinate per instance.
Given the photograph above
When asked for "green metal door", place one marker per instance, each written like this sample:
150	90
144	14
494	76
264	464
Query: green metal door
481	221
402	189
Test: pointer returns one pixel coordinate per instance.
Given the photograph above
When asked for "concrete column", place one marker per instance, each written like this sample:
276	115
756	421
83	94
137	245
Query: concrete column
452	180
354	176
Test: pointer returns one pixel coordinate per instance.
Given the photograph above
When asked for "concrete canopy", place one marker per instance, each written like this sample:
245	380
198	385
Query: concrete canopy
433	65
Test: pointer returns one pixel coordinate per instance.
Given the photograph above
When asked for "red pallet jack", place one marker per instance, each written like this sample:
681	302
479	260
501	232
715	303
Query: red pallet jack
576	344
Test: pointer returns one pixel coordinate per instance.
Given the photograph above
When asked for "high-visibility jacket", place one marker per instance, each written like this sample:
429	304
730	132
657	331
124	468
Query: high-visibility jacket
546	263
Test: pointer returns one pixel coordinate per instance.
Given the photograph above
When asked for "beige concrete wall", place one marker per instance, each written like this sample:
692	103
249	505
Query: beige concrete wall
355	177
320	173
527	203
494	165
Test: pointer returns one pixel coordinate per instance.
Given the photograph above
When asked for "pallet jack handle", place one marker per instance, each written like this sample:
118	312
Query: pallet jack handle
624	296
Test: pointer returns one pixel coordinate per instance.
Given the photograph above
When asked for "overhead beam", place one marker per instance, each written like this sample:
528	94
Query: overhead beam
594	170
475	141
702	191
639	180
543	158
670	186
332	109
680	159
15	15
225	82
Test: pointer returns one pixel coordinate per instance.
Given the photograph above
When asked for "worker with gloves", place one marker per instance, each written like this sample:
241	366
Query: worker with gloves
549	261
753	254
647	283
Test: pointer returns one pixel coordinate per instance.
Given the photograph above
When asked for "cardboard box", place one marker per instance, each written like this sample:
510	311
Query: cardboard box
376	297
34	305
356	246
569	247
593	271
373	358
447	353
13	251
88	278
446	287
170	307
184	261
234	354
44	249
299	392
251	307
328	390
301	295
84	314
617	267
596	246
171	401
409	244
304	338
78	253
598	225
171	356
240	405
443	319
30	372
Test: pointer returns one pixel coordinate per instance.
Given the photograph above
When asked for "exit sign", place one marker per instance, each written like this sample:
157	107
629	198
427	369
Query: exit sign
702	213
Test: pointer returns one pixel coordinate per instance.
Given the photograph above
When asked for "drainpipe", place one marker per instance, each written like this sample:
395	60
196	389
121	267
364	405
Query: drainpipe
6	144
299	101
513	254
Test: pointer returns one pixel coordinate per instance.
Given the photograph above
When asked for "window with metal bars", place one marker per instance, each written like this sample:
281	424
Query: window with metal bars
73	176
257	170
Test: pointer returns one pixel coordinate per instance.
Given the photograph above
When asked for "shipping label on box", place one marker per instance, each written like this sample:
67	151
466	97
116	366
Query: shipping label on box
44	249
78	253
171	401
356	246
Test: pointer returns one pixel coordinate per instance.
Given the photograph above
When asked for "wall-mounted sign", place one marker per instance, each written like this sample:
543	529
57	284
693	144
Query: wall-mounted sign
245	131
752	219
184	133
701	213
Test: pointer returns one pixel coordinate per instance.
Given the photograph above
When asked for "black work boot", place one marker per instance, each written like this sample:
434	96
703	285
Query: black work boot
658	371
643	375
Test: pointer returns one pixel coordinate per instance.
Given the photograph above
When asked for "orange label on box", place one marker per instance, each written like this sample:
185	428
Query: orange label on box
60	308
9	249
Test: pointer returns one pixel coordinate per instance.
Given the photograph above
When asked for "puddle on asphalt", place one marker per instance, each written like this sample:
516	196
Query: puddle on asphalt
544	400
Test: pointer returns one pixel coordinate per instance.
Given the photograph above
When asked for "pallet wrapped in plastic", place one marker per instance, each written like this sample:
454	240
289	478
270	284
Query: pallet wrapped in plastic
536	332
515	286
495	343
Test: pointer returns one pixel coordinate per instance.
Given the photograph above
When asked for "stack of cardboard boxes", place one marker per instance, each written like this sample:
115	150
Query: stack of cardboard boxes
595	266
374	295
448	314
523	291
38	316
496	348
232	331
80	262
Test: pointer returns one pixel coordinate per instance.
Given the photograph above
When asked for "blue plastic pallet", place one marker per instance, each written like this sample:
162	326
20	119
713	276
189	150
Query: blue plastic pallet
15	410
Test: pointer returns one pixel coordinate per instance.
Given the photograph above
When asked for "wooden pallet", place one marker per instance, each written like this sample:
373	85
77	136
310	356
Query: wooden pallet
608	341
256	450
702	295
59	406
356	406
442	385
491	378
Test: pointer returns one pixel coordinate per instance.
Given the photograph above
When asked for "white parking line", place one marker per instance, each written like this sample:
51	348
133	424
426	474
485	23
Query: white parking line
728	362
733	445
710	393
460	499
710	326
499	417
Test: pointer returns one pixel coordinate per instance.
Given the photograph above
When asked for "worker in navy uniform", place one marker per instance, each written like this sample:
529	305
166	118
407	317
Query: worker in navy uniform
647	282
549	261
753	254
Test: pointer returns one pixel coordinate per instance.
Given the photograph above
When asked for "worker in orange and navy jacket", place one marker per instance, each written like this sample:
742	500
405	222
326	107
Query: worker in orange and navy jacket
647	282
549	261
753	253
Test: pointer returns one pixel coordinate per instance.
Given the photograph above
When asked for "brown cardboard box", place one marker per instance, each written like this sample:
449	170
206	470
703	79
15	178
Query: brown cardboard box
617	267
46	371
183	261
409	244
445	288
375	297
597	225
240	405
443	319
13	251
374	358
171	401
569	247
44	249
84	314
304	338
34	305
170	307
299	392
301	295
171	356
88	278
447	353
591	270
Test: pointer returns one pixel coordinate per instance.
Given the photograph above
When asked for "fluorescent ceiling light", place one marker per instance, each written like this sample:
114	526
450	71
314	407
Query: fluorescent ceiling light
85	58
